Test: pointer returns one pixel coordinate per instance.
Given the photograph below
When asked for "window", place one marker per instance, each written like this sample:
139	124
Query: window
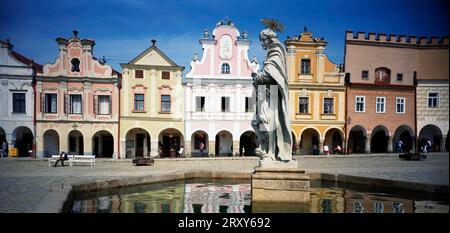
365	75
433	100
303	103
360	104
50	103
400	105
306	66
75	104
380	104
328	106
165	75
165	103
104	105
139	102
249	105
19	102
225	104
200	103
138	74
75	65
225	68
399	77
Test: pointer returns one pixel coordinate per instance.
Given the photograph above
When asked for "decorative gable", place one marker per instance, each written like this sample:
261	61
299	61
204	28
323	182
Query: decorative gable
225	54
76	60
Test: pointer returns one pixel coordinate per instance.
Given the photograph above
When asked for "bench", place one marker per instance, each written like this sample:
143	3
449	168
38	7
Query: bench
52	160
90	159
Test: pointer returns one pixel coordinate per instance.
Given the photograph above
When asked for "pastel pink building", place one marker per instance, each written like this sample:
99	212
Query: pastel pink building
219	103
77	103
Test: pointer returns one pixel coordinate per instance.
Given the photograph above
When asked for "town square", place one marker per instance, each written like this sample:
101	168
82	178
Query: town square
224	107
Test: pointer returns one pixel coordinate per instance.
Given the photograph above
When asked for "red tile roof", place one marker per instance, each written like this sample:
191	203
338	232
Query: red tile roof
27	61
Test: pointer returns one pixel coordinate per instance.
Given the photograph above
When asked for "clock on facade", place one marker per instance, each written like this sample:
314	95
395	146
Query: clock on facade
225	47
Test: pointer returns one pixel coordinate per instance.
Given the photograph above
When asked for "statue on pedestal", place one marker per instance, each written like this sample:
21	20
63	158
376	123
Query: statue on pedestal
271	121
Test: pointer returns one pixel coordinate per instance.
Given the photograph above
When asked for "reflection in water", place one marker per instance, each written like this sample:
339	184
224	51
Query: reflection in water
234	196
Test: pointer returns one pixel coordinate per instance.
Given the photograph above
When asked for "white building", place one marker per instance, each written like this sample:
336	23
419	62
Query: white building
219	104
17	99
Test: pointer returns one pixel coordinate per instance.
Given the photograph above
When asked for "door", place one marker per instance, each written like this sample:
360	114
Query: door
166	146
140	145
107	146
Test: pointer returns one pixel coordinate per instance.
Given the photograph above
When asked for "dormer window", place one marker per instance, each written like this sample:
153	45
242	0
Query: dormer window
225	68
75	65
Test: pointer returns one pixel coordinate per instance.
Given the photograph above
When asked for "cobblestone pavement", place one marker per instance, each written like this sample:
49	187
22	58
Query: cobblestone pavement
24	183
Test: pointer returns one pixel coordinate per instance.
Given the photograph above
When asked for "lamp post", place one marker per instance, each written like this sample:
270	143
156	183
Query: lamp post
348	121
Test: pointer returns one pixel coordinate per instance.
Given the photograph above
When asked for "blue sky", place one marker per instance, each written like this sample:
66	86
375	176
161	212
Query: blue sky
122	29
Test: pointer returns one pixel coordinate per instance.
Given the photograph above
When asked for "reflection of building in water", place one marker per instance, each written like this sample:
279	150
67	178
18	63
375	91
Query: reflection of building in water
367	203
208	198
104	204
167	200
325	200
430	207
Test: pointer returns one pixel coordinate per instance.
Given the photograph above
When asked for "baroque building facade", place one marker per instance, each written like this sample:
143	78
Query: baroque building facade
151	106
218	95
316	95
77	105
17	76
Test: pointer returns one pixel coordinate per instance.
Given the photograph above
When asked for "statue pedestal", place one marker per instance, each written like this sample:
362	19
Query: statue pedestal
280	182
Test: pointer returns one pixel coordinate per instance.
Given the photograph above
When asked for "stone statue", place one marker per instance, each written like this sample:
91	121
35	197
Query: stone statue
271	121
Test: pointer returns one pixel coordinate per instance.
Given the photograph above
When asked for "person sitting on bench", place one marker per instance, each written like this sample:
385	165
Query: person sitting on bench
62	157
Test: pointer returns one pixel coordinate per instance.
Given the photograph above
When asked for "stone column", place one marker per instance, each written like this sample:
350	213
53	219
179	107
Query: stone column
235	148
123	149
389	146
368	137
64	142
87	144
442	147
212	148
187	149
116	148
154	150
321	146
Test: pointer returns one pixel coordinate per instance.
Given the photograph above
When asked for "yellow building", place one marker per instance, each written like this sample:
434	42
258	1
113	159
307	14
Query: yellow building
151	106
316	95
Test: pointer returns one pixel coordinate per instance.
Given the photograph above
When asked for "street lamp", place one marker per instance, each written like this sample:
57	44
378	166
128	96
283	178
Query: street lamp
348	121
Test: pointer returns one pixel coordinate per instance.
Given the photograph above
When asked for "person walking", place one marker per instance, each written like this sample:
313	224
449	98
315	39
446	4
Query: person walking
180	151
4	149
315	149
201	146
399	146
337	149
326	150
